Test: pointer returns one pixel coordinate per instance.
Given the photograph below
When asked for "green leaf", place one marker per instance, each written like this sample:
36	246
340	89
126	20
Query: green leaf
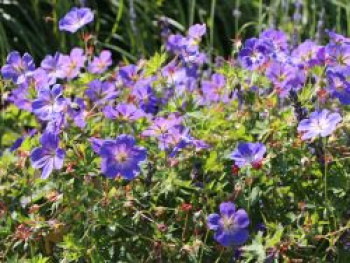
155	63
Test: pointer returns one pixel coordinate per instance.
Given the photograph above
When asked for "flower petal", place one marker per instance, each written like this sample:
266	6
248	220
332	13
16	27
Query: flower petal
241	219
213	221
47	169
228	209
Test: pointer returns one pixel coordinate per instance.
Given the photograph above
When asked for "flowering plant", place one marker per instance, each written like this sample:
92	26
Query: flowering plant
112	161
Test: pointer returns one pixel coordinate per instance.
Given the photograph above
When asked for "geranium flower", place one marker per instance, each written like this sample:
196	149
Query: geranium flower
49	156
194	38
278	38
21	98
124	111
40	79
161	126
188	47
337	55
197	31
339	85
69	66
96	144
320	123
175	43
129	75
337	39
50	65
285	77
101	92
248	154
255	53
75	19
179	138
17	67
182	79
101	63
215	90
230	226
49	102
121	157
307	54
76	111
146	97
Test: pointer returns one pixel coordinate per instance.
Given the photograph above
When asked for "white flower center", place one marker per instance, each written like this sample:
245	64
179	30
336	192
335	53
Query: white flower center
121	157
321	125
228	223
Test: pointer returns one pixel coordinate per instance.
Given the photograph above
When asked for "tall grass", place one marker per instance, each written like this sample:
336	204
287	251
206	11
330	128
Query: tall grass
130	27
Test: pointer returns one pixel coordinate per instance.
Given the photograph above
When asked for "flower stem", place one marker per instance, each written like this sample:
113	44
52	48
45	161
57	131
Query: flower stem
212	16
192	12
219	258
183	236
325	171
202	250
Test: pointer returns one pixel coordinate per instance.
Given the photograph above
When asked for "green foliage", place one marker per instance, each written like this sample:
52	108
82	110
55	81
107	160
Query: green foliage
77	215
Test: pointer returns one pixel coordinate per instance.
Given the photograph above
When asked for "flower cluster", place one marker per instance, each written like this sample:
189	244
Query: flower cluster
181	112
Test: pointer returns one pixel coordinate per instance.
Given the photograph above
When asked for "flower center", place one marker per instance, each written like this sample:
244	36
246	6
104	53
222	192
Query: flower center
19	67
227	223
121	157
101	65
339	85
321	125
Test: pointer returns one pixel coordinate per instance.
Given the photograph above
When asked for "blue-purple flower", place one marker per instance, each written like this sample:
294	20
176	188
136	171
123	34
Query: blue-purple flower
50	65
337	39
124	112
17	67
188	47
248	154
230	226
49	156
76	111
40	79
197	31
195	34
69	66
320	123
75	19
172	136
100	93
146	97
179	138
215	90
21	98
308	54
129	75
255	53
278	39
175	43
96	144
285	77
101	63
49	102
161	126
339	85
121	157
180	78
